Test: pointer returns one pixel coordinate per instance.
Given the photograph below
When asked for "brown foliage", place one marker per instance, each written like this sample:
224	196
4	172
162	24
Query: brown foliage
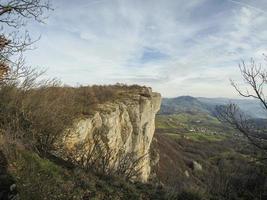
39	115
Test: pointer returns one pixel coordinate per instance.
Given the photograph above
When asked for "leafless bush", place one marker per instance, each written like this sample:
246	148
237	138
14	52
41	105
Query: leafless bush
235	178
40	112
16	78
98	157
130	165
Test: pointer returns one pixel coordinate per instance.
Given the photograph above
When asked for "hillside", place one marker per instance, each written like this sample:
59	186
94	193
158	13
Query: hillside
199	153
77	143
107	142
182	104
207	105
34	178
72	128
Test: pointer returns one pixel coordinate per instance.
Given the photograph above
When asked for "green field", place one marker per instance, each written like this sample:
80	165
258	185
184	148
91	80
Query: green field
199	126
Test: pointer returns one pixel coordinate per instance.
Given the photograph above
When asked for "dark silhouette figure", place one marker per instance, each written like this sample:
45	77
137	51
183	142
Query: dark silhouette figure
8	189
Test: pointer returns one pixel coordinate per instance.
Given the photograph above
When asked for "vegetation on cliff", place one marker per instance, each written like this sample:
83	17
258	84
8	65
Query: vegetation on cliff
195	155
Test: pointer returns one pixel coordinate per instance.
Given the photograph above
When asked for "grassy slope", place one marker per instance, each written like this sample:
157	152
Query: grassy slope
38	178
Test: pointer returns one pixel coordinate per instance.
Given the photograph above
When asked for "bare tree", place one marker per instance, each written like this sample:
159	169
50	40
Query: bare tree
129	165
99	158
16	77
255	77
14	37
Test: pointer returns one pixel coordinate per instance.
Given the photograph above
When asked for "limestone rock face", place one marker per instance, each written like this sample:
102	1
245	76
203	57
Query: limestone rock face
125	125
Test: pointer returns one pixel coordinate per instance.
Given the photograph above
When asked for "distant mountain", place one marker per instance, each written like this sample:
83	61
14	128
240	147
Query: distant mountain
182	104
191	104
251	107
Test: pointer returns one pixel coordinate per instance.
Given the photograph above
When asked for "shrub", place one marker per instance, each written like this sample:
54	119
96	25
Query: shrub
189	195
40	114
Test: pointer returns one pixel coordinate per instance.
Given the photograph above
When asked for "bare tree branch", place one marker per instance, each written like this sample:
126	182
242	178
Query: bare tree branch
14	39
255	77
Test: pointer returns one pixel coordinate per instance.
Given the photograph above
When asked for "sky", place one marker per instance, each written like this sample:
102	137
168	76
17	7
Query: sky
177	47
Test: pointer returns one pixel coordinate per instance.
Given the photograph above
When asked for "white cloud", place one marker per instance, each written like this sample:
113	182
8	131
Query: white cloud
104	41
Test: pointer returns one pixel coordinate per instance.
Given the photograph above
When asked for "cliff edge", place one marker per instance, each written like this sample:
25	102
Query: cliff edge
123	129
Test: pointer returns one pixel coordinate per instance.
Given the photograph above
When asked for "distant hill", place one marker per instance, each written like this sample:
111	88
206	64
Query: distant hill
189	104
182	104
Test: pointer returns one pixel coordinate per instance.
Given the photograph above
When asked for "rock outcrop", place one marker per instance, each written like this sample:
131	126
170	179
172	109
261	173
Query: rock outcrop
123	126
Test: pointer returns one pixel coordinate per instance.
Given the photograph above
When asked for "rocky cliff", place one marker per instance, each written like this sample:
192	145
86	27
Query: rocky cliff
124	127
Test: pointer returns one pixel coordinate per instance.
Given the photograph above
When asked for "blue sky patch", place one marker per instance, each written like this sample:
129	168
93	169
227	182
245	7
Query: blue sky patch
150	55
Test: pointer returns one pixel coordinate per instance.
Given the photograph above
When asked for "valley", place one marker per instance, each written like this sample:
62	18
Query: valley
113	145
133	100
196	149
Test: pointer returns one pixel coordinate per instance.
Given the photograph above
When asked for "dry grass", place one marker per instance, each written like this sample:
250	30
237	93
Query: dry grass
39	115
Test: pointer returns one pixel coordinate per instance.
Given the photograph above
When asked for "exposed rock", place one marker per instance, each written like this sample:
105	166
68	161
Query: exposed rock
186	173
196	166
126	125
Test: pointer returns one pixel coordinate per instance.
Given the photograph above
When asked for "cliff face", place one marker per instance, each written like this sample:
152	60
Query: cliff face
124	127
